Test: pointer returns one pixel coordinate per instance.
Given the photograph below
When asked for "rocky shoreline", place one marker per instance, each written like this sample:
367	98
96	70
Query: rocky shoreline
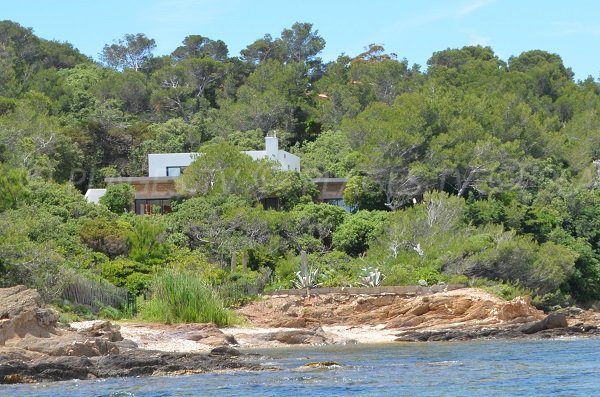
458	315
555	325
33	348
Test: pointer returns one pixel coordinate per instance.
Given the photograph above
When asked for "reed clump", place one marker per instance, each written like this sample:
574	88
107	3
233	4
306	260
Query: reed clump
184	297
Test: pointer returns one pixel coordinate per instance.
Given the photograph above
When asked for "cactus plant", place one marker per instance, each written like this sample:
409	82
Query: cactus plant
371	277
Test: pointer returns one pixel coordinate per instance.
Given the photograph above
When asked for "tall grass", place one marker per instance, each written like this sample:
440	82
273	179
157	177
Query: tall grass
183	297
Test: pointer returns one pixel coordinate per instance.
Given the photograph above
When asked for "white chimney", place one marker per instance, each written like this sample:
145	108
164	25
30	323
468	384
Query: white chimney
272	146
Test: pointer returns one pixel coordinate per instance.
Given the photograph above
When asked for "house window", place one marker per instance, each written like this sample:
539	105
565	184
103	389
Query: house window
175	171
152	206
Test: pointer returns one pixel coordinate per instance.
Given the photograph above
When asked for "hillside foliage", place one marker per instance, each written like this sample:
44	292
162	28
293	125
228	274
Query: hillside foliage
473	168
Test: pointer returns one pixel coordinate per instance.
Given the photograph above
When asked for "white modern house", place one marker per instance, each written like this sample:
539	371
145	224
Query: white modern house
172	164
155	192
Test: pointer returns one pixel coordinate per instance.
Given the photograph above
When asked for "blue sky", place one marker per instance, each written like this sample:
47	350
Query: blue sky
412	29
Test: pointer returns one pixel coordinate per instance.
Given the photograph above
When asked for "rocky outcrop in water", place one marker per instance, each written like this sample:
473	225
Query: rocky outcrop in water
136	362
462	314
494	333
34	348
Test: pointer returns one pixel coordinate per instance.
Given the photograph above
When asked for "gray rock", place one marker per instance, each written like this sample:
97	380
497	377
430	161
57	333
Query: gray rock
224	351
103	329
298	337
46	317
552	321
132	363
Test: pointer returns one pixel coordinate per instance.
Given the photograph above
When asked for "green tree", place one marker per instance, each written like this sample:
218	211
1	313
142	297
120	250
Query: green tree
197	46
392	139
13	187
301	43
363	193
119	197
358	231
129	52
330	155
222	169
146	241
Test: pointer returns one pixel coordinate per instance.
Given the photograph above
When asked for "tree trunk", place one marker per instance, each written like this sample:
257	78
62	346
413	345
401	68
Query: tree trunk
233	262
245	262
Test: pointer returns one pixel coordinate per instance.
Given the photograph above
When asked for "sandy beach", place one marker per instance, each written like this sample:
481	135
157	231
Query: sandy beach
167	338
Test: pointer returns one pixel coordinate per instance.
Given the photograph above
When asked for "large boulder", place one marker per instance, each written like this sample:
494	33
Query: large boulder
298	337
21	314
519	308
207	334
552	321
101	329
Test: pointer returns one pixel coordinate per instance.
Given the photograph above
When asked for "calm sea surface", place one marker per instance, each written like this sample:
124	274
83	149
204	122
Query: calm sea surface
569	367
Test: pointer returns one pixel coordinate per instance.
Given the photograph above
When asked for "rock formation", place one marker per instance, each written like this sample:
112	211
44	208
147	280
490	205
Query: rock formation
34	348
461	314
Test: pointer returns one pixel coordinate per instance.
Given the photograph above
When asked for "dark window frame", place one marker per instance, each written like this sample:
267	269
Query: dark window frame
181	168
146	206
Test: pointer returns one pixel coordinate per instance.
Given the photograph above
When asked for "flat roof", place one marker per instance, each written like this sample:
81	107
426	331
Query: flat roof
93	195
132	179
329	180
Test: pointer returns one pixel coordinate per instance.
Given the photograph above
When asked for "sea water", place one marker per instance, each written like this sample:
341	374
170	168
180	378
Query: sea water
563	367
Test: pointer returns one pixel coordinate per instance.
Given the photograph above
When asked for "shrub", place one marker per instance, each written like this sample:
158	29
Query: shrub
505	290
183	297
110	313
358	230
337	269
146	240
119	198
127	273
363	193
7	105
106	236
519	259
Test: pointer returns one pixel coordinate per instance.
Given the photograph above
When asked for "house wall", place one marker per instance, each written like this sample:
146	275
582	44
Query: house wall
154	189
158	162
287	161
331	188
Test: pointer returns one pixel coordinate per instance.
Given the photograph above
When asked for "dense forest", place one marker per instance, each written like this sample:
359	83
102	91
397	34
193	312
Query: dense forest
473	170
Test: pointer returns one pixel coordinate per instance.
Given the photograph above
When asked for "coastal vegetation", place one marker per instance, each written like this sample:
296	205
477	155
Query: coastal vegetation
472	170
183	297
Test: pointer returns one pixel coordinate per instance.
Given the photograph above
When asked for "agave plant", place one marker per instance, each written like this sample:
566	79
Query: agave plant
371	277
307	279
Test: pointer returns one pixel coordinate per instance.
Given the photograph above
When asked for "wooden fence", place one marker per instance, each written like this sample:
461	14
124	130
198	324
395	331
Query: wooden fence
404	290
83	291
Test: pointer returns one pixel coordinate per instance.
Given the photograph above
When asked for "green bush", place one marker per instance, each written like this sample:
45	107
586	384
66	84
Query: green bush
127	273
7	105
146	240
119	198
285	272
505	290
110	313
183	297
554	300
358	230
